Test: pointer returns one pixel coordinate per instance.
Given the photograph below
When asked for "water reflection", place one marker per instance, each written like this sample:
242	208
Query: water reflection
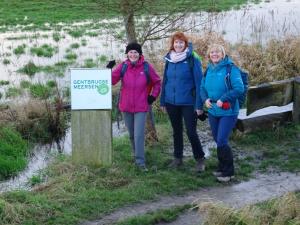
41	156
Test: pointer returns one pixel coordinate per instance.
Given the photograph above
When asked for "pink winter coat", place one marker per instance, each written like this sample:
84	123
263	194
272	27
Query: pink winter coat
134	91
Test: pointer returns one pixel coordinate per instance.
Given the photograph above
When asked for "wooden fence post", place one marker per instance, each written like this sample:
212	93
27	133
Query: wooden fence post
92	137
296	104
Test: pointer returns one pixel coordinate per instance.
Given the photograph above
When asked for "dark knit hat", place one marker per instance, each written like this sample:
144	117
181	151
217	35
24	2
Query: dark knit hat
134	46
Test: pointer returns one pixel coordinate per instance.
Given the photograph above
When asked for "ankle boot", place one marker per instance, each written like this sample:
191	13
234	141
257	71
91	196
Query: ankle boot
200	166
226	161
177	162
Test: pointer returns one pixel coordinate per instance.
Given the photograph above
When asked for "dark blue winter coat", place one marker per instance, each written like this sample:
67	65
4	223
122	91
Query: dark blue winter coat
213	86
181	82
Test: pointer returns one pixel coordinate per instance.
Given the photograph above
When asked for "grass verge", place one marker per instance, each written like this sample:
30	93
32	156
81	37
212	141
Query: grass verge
13	152
75	193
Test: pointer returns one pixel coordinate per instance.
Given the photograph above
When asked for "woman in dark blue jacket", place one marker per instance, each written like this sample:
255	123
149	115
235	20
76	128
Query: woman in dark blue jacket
180	97
223	106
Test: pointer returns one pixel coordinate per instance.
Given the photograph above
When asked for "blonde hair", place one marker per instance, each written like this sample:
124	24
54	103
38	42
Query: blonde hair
216	47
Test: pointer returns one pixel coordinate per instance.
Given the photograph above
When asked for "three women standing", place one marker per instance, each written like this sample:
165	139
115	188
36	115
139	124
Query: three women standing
180	97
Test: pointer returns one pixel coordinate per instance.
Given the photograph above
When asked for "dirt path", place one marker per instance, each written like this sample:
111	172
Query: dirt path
263	187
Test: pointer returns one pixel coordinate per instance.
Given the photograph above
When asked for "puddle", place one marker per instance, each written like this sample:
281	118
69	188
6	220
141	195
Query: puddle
42	156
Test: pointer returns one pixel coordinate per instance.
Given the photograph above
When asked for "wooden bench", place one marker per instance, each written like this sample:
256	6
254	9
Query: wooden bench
282	99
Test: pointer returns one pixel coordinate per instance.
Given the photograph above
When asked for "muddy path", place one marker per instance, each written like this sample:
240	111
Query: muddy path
260	188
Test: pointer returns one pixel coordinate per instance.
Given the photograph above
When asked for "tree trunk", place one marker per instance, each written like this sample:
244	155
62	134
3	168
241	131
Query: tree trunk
127	9
130	27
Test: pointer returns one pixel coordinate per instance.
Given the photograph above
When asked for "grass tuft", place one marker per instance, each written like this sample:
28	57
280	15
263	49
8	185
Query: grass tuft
30	69
281	211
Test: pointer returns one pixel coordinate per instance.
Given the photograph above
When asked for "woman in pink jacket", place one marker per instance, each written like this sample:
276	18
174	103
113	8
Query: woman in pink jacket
138	91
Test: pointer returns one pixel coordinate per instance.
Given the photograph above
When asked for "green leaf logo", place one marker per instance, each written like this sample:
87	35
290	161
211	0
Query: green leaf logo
103	89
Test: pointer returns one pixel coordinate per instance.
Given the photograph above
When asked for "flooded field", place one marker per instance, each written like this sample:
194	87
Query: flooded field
46	55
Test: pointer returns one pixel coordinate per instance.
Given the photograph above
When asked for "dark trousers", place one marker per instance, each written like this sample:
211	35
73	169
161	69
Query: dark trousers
221	128
176	113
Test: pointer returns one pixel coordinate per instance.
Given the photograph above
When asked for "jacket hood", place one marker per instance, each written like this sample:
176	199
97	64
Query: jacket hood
189	52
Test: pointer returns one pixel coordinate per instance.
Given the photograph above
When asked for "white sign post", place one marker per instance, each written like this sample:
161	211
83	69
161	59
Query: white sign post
91	103
90	89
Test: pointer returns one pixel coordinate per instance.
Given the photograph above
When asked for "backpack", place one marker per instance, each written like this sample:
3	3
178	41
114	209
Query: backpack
245	78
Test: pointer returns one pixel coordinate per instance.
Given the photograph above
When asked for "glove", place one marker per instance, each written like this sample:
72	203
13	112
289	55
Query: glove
226	105
202	116
150	99
111	64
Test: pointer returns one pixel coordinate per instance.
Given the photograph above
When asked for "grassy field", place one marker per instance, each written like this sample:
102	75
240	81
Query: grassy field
73	193
38	12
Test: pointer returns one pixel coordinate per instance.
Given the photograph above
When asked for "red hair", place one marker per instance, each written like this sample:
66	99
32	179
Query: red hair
178	36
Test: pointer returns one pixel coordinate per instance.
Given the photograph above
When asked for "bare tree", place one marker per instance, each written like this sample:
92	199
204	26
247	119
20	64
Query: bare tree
138	15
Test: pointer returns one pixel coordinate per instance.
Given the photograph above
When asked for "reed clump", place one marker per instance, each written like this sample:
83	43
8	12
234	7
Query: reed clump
280	211
277	60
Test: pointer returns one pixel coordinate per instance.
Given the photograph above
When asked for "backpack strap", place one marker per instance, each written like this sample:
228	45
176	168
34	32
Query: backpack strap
191	61
147	71
205	72
123	70
227	77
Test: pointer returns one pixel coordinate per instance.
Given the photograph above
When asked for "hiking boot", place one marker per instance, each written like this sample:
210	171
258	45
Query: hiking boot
142	168
200	166
224	179
217	173
176	163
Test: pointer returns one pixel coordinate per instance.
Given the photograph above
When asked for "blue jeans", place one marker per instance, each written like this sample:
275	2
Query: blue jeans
221	128
187	112
135	123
